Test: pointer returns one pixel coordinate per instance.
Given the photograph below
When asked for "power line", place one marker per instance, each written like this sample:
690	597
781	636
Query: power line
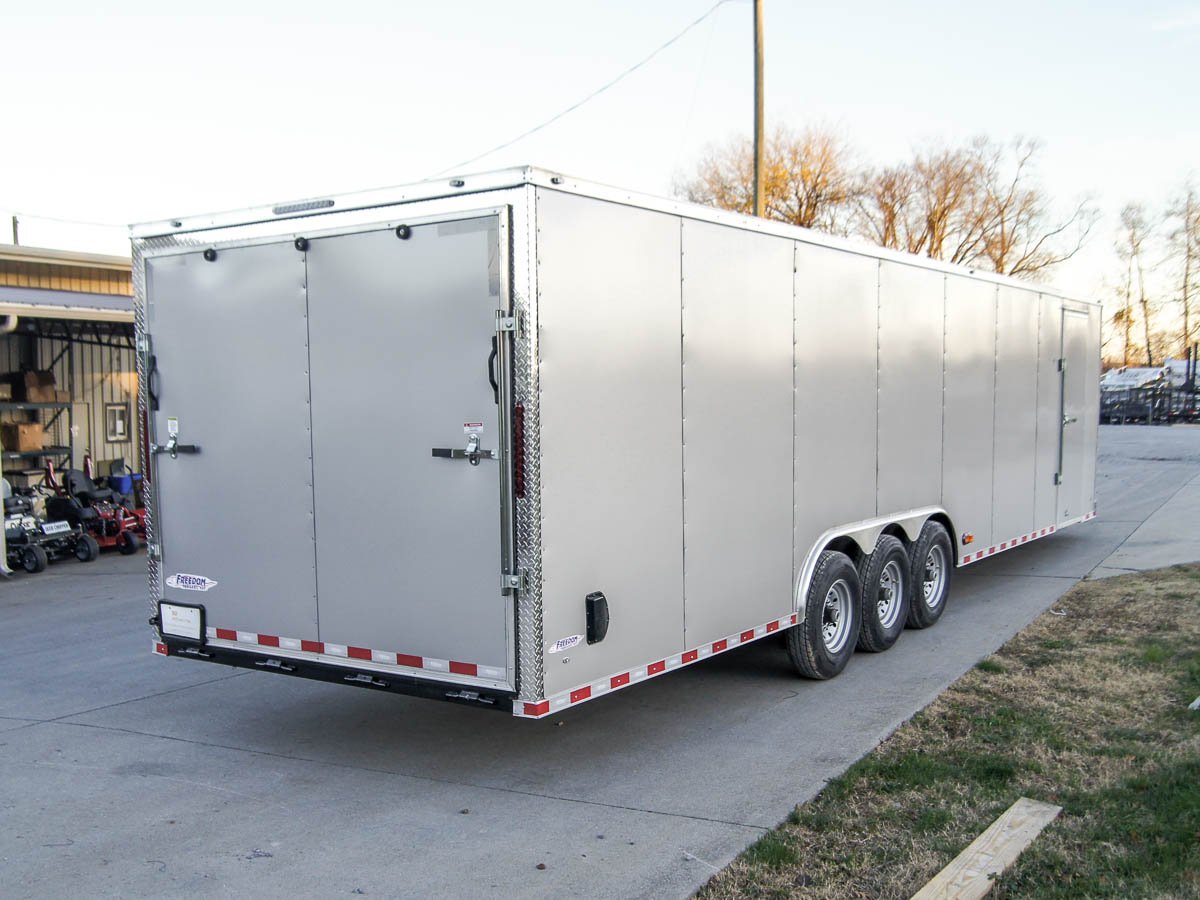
596	93
30	216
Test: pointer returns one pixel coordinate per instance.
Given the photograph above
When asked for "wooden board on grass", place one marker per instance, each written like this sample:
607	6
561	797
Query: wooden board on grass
971	874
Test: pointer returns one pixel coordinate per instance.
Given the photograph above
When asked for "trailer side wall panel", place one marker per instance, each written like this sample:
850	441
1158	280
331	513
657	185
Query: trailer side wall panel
1015	454
837	327
969	413
911	324
737	428
611	455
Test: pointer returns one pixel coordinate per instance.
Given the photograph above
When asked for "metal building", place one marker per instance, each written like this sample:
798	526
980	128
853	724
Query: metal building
69	314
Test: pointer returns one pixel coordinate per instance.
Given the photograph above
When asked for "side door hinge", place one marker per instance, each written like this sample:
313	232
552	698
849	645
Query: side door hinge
1058	478
511	582
506	321
1061	364
143	343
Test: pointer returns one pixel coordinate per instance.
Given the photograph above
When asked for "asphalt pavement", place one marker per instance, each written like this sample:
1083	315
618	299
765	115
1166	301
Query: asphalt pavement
123	773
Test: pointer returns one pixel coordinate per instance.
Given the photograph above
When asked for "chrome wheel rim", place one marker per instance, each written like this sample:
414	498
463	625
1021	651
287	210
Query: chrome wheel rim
891	594
835	616
934	581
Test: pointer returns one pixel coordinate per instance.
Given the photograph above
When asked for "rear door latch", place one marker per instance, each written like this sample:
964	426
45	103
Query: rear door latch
173	448
472	453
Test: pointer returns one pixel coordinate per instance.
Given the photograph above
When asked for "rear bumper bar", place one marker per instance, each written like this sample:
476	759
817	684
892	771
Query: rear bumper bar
393	682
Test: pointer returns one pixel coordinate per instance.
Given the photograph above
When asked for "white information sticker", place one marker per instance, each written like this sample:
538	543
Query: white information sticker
172	426
55	527
472	428
566	643
180	621
190	582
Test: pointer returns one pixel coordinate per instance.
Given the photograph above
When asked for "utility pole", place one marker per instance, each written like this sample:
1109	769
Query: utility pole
758	107
16	234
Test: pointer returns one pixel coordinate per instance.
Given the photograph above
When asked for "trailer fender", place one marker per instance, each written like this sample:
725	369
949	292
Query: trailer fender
858	539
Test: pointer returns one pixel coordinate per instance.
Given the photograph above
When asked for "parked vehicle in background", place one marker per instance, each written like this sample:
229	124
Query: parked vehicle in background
535	440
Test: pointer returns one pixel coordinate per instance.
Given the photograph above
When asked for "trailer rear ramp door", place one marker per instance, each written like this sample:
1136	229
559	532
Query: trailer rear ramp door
349	488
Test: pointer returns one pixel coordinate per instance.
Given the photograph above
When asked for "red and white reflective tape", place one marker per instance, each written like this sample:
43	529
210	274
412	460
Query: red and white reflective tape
610	683
315	649
1022	539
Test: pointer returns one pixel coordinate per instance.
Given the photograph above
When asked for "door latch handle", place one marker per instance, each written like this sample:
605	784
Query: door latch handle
173	448
1067	420
472	453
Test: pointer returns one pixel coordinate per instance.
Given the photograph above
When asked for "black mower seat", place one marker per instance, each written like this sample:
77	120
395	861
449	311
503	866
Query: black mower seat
85	490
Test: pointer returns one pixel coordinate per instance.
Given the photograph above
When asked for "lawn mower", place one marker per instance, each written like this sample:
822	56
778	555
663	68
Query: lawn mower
32	543
100	511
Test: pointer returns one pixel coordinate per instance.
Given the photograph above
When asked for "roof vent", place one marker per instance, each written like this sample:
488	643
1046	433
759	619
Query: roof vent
303	206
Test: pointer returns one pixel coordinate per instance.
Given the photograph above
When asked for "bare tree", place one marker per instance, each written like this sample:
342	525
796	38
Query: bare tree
809	178
1183	222
1131	248
1021	238
924	205
976	204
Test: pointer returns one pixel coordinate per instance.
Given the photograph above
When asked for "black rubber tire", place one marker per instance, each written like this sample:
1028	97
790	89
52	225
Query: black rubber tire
86	548
34	559
933	541
875	636
805	641
128	543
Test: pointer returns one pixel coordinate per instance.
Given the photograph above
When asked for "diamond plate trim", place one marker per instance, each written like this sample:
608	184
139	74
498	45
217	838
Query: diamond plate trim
142	332
529	508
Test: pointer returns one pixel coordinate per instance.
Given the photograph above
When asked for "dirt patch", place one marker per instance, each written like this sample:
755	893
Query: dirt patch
1086	709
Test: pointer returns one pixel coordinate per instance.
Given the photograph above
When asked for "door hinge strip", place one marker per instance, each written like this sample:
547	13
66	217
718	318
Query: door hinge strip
514	581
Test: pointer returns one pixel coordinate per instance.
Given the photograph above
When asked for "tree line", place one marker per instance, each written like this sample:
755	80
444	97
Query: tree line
1154	298
979	204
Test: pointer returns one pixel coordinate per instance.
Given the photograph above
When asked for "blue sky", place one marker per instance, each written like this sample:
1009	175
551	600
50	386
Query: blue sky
126	112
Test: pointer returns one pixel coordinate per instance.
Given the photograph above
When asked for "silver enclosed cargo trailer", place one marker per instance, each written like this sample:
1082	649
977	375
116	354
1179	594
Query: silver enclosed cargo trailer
517	441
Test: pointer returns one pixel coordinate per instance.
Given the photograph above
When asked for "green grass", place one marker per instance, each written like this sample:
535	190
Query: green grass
1087	711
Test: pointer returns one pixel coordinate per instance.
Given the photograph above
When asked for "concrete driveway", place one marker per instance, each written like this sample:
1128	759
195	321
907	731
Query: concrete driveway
124	773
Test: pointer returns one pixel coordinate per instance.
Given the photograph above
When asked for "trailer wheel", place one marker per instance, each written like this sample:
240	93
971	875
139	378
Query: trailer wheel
822	643
932	563
885	575
86	548
128	543
34	559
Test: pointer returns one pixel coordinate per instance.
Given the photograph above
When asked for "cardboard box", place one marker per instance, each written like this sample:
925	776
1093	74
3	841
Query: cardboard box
25	479
22	437
39	387
5	391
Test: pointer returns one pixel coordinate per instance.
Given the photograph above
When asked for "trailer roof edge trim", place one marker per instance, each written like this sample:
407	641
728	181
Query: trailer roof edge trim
520	176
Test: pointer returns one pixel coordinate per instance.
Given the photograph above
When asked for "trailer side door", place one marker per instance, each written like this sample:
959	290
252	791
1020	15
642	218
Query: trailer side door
1073	490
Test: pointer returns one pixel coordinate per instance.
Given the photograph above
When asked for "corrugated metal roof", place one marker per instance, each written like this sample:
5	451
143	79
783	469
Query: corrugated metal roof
48	304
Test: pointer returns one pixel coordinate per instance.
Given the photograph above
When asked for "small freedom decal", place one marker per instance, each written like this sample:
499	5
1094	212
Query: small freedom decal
190	582
566	643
